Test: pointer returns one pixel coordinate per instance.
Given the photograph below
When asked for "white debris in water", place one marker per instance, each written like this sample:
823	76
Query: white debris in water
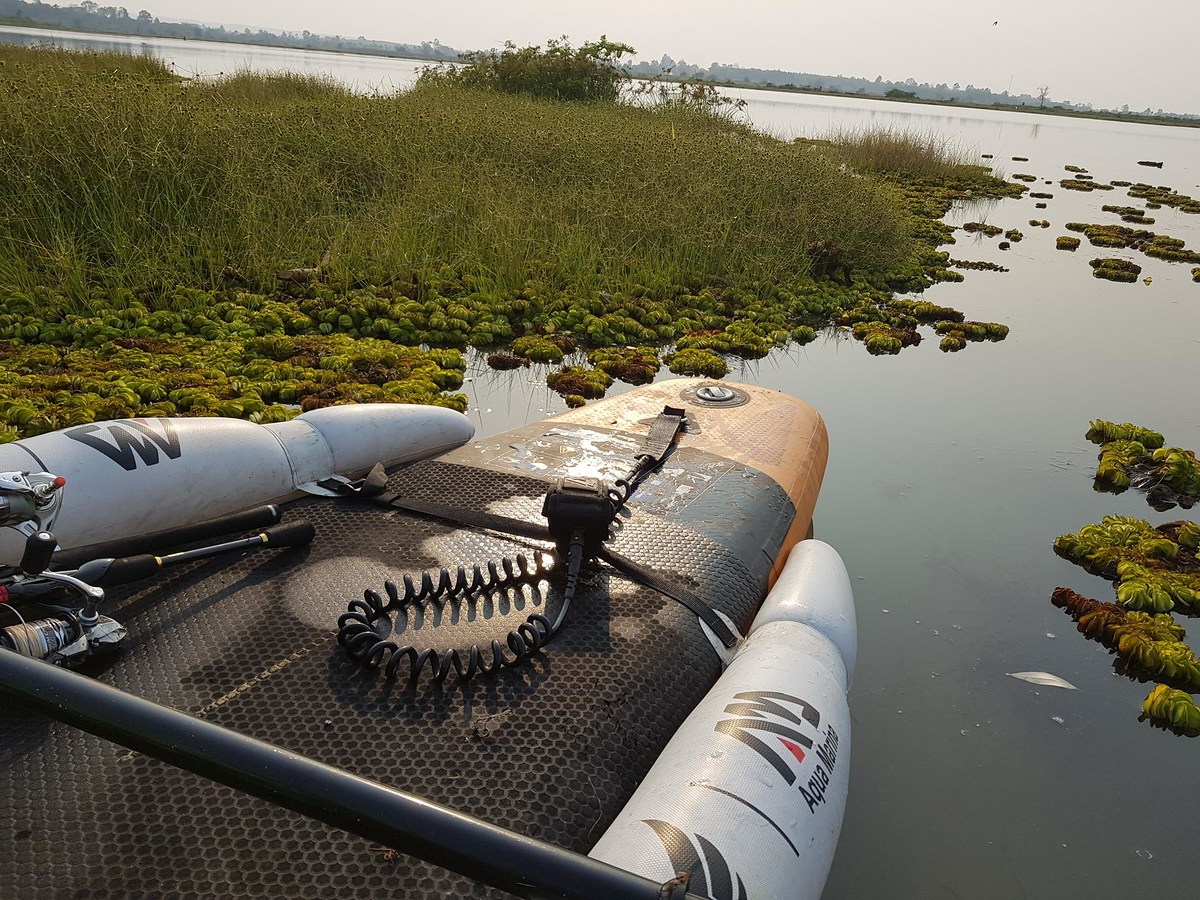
1145	854
1051	635
1058	719
1043	678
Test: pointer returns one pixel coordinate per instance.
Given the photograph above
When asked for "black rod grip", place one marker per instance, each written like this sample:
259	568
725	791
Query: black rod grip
110	572
258	517
290	534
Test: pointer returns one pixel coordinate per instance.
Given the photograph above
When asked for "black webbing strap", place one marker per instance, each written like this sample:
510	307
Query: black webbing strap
662	433
654	450
676	592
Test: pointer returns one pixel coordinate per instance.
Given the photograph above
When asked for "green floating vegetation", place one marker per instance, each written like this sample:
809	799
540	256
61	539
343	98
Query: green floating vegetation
803	334
1170	249
1173	710
1150	204
1138	219
633	365
925	312
1066	242
1039	205
1080	184
1122	210
1148	646
974	331
1102	432
579	381
1116	183
982	228
504	362
1164	196
1020	159
1155	570
1020	176
263	379
1159	246
1041	195
1014	235
977	265
1133	455
1071	168
697	362
538	348
1151	571
1115	269
1196	274
953	342
883	339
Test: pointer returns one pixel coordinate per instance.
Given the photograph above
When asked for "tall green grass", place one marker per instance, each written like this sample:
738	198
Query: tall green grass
114	173
898	151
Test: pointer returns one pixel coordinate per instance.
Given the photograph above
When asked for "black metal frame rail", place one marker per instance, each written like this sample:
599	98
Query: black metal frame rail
487	853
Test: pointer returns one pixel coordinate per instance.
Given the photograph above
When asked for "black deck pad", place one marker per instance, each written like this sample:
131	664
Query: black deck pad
552	748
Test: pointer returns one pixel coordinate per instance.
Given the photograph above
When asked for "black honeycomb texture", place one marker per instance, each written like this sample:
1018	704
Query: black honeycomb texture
552	748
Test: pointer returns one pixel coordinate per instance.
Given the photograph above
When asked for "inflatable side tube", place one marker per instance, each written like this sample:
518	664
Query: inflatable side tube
136	476
748	796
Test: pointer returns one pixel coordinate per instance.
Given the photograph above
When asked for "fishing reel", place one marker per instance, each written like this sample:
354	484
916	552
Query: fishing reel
55	613
63	633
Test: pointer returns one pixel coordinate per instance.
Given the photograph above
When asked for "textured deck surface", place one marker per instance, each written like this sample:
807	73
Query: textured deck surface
552	748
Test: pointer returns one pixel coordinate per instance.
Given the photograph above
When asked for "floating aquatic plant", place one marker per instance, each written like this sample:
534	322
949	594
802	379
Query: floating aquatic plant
579	381
1151	571
1066	242
1133	455
506	361
1164	196
974	331
1020	176
697	362
1173	710
538	348
1149	647
43	388
1082	184
1196	274
1101	432
1072	168
1115	269
952	342
883	339
978	265
633	365
1122	210
1041	195
1014	235
982	228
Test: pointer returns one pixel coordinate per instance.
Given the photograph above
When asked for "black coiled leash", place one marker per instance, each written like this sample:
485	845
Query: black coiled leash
579	512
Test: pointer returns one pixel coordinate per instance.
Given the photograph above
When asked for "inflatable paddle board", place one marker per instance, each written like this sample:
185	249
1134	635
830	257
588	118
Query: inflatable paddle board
636	735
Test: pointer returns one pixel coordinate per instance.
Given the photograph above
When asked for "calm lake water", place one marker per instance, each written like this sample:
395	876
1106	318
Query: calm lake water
949	476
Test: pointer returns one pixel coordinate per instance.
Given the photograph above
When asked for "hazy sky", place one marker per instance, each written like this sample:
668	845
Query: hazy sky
1105	52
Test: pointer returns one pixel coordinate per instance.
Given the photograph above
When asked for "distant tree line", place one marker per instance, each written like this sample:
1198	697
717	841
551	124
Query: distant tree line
877	87
88	16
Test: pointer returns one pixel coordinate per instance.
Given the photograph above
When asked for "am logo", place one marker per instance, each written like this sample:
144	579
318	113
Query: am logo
750	715
128	441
